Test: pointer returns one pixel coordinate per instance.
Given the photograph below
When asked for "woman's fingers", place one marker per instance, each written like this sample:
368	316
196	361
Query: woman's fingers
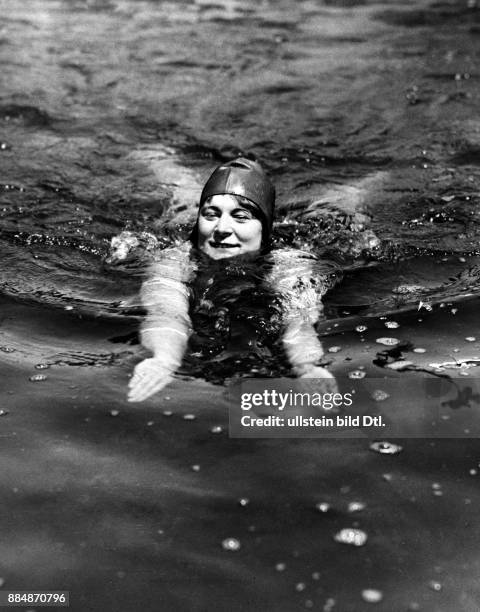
146	388
326	380
148	378
142	392
317	372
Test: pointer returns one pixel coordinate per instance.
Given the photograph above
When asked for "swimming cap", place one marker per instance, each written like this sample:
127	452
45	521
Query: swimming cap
246	178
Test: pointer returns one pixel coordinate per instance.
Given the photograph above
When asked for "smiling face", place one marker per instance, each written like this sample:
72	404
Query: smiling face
227	228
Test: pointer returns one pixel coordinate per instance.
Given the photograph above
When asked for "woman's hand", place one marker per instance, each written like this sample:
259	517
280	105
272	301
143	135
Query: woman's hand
150	376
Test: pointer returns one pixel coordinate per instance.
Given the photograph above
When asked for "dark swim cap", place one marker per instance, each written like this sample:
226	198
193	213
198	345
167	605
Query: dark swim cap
246	178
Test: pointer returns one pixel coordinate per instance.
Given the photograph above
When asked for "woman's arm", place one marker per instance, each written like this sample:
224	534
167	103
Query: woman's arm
300	341
166	329
300	288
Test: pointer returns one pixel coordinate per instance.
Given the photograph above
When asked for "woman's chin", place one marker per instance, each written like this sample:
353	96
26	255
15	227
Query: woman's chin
218	256
221	252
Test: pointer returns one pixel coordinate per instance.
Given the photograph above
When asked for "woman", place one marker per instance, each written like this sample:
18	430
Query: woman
231	238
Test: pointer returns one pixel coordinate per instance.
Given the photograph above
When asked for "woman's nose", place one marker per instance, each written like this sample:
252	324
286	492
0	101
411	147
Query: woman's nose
224	225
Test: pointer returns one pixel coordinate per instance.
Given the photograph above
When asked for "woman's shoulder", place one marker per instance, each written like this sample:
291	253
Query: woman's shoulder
290	255
177	250
292	260
176	262
292	268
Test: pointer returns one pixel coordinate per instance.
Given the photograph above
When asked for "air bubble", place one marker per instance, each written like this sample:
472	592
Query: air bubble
323	507
356	506
385	448
37	378
379	395
281	567
351	536
334	349
42	366
114	413
361	328
189	417
216	429
387	341
392	324
231	544
470	339
372	595
329	604
356	374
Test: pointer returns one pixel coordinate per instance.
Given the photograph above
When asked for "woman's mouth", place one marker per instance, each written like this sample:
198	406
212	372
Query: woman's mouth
222	245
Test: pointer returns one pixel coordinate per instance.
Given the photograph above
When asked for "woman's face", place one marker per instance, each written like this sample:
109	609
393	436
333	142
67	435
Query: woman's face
226	228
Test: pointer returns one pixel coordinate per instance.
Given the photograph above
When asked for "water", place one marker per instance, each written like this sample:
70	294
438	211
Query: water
108	122
112	115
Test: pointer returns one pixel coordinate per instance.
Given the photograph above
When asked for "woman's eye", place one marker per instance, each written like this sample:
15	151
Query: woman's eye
209	214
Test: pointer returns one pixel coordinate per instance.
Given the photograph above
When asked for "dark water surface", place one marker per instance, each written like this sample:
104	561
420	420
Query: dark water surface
112	114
